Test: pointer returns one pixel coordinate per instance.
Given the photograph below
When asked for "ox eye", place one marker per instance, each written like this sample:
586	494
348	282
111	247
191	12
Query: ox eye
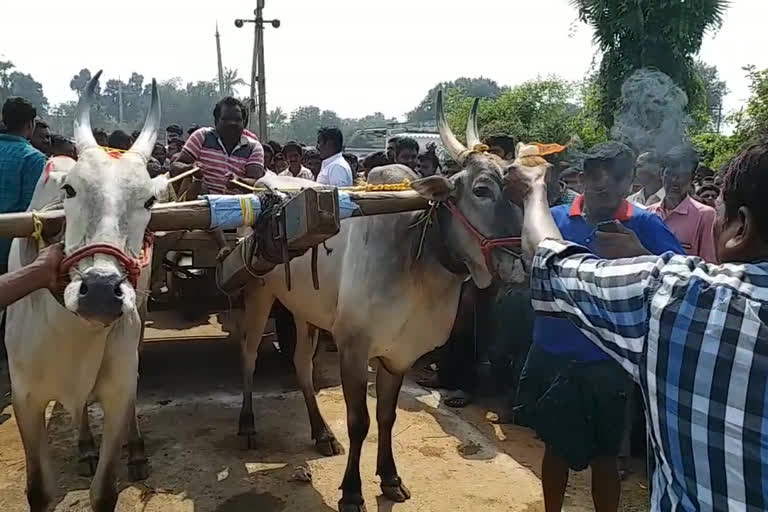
150	202
69	191
483	192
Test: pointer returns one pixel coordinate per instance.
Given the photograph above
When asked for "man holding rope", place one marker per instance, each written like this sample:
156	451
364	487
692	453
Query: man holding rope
693	335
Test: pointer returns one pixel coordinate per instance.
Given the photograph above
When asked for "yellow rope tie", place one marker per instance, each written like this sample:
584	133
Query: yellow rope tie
37	230
384	187
246	207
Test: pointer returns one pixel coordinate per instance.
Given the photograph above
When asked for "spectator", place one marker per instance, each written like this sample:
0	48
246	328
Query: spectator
429	163
649	179
41	137
101	137
269	156
192	129
159	153
293	153
118	139
175	146
20	163
572	179
502	146
353	163
704	175
407	152
374	160
312	161
41	273
571	392
391	145
692	335
174	131
708	195
279	163
689	219
62	146
277	149
334	170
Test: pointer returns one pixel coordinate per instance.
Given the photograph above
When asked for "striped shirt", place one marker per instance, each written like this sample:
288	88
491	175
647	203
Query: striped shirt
205	146
694	337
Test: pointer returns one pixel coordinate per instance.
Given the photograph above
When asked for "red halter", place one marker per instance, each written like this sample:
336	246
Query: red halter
486	244
132	266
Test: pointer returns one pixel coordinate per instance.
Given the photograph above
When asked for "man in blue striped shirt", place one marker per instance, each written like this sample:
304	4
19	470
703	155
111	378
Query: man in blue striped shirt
693	335
20	163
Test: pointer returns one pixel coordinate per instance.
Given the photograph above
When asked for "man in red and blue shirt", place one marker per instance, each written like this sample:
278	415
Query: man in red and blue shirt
571	391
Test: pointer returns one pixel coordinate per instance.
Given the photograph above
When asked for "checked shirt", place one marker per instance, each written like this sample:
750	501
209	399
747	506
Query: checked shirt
693	336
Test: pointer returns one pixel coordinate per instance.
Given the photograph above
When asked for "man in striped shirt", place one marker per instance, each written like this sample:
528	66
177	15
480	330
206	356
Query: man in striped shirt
693	335
222	151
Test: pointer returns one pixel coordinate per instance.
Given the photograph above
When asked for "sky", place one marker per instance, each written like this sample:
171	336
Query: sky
355	57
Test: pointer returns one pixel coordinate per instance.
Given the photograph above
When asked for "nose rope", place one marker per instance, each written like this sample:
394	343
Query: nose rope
486	244
132	266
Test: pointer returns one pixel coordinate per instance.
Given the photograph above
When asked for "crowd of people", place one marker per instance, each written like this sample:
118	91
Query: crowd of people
570	376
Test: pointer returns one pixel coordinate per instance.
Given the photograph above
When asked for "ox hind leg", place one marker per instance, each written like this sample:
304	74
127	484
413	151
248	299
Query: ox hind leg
387	391
30	418
306	343
258	303
138	464
354	381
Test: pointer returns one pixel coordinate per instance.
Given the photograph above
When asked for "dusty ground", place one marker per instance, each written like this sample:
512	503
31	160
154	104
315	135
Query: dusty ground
189	402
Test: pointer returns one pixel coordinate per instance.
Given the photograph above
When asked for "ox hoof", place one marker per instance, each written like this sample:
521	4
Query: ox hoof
352	504
247	441
326	444
395	490
138	470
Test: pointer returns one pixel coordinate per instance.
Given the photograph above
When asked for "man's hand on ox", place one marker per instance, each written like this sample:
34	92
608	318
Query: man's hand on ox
527	186
614	241
47	265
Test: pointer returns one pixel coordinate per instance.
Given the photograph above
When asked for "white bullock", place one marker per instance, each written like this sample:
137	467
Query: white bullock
85	347
389	290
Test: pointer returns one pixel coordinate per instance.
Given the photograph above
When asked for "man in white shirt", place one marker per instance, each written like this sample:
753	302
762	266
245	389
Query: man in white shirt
334	170
649	176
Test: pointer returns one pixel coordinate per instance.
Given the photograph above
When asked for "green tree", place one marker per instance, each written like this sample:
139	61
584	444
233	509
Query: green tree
304	123
659	34
22	84
714	92
466	87
752	120
232	81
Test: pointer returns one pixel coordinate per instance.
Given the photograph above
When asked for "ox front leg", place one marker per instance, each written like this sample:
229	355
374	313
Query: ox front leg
354	380
138	464
306	343
117	405
258	303
30	418
387	392
88	454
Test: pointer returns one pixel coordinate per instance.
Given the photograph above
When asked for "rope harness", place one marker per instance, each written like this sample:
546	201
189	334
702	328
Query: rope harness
132	266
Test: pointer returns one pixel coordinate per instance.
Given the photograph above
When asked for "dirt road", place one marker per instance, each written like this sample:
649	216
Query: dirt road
188	408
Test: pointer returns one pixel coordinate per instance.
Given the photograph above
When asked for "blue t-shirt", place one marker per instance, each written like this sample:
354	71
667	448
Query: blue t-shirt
20	168
560	336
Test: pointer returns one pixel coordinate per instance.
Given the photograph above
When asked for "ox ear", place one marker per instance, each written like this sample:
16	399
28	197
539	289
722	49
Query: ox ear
160	188
434	188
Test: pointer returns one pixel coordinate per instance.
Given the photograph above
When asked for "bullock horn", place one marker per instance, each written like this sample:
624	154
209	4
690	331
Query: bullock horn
145	143
84	138
473	134
455	148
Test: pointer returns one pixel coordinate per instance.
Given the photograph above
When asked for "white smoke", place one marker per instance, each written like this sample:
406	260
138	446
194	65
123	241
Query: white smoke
652	113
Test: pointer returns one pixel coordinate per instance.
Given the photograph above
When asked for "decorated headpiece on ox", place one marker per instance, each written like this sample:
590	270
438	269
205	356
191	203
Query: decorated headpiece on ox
482	228
107	200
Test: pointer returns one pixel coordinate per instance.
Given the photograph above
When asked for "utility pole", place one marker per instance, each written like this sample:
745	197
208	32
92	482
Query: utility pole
261	79
257	69
120	102
220	65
